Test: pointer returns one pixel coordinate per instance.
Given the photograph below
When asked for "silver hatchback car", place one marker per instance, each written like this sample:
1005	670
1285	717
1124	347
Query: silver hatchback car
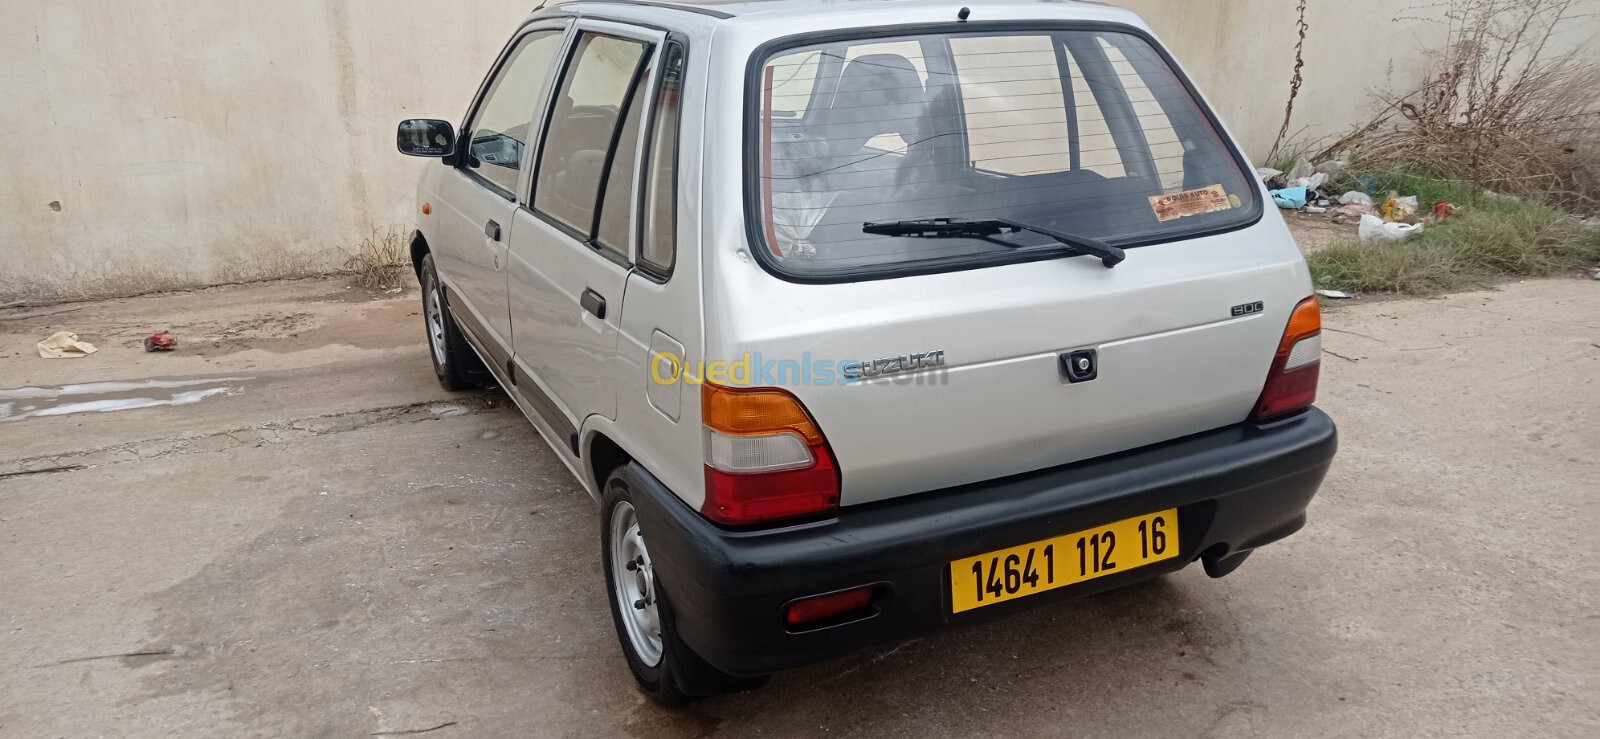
861	319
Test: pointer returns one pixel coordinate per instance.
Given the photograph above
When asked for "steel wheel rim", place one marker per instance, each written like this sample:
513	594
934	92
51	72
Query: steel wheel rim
633	585
435	323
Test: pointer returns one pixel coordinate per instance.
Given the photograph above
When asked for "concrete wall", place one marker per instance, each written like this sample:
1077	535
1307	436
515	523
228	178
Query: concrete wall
190	142
169	143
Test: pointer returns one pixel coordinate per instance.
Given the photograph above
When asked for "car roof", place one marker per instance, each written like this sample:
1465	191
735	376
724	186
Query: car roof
738	8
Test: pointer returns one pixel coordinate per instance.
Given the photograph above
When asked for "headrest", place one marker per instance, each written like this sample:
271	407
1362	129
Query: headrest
878	94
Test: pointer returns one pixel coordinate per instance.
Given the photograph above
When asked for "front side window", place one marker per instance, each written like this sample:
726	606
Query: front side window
1090	133
591	109
499	129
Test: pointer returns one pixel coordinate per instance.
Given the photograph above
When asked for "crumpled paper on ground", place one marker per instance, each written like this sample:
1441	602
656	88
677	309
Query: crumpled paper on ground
63	345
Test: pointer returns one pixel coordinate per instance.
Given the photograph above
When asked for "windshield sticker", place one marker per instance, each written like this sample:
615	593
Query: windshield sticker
1190	202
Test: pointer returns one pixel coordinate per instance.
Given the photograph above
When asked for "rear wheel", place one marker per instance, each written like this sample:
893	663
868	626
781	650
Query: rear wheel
665	668
454	362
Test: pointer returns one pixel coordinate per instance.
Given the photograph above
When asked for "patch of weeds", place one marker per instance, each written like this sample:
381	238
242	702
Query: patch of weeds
1487	241
1284	159
379	262
1429	187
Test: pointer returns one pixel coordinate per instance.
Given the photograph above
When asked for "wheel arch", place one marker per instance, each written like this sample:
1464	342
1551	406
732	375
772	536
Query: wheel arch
601	454
419	249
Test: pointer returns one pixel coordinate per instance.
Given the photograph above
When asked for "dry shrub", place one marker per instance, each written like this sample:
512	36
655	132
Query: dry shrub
1497	108
380	260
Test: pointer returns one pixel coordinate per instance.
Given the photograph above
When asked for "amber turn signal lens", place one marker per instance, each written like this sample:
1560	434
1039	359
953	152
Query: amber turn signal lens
746	411
1305	321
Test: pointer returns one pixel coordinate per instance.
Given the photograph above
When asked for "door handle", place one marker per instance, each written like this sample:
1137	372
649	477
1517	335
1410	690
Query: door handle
592	302
492	230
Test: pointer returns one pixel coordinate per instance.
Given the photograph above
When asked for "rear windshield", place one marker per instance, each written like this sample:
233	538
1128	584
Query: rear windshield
1090	133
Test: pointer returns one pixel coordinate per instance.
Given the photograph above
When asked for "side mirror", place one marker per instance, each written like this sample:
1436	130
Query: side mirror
426	137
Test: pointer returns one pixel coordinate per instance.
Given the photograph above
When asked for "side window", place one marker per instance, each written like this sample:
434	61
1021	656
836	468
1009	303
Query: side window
590	106
793	83
1097	147
1160	133
1011	92
499	129
616	206
659	246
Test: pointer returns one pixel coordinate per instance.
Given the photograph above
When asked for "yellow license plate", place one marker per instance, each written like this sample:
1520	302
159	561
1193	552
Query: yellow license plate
1021	571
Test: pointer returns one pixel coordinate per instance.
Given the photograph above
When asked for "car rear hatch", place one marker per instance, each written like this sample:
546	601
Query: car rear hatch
993	166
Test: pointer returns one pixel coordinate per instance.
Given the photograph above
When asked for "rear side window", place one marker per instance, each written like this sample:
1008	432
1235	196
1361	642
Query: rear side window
659	237
590	112
616	211
1091	133
499	129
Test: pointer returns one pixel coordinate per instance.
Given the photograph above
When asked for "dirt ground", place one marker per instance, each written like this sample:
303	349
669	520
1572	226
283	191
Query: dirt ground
287	528
1315	231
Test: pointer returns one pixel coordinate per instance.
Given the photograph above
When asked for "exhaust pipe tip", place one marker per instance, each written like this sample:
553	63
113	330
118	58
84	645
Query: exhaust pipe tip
1221	563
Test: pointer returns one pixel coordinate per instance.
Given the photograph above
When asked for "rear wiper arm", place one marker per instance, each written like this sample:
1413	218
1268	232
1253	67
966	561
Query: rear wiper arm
983	228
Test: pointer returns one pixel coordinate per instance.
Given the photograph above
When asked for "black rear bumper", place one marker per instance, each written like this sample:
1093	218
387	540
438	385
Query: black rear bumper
1236	489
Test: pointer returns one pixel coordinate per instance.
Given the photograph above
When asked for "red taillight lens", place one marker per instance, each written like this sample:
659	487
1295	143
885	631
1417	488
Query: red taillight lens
824	607
1292	382
766	459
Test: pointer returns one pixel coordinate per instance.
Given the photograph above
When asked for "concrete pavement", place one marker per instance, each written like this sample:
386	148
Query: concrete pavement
329	544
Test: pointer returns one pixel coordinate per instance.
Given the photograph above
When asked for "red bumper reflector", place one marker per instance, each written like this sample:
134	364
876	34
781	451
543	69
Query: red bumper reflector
824	607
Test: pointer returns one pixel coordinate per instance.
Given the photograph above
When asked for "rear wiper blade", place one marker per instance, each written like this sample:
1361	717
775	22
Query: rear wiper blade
983	228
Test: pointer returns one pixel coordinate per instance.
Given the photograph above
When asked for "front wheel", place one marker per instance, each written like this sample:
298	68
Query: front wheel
665	668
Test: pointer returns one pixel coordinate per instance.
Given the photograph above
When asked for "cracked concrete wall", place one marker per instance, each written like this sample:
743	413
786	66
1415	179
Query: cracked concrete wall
171	143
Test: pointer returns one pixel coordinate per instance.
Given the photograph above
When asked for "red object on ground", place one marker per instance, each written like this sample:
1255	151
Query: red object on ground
1444	209
160	342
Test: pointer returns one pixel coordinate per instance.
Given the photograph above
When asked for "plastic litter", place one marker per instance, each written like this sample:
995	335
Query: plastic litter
1373	227
1356	197
1333	166
1316	209
1302	169
64	345
1335	294
1267	173
1443	209
1397	209
1290	198
1304	175
159	342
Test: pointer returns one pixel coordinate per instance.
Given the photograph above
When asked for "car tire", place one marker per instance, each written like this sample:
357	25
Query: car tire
454	362
666	669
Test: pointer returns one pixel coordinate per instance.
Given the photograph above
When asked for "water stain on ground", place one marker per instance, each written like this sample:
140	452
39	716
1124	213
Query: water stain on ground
17	404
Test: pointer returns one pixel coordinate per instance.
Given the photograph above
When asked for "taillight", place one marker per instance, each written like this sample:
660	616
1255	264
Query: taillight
1292	383
766	460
